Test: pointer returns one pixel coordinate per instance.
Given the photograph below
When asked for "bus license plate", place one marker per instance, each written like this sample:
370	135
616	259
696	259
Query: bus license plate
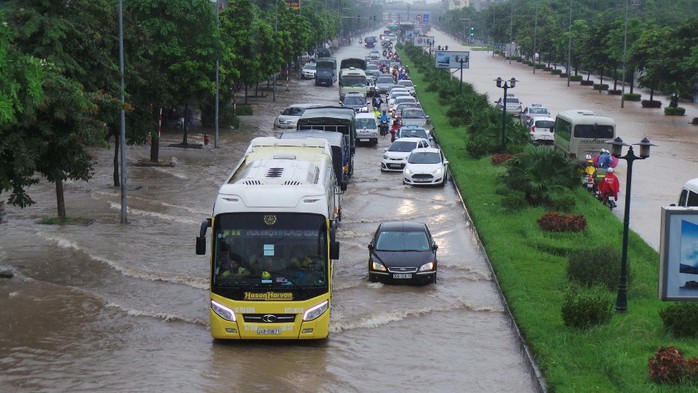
268	331
402	275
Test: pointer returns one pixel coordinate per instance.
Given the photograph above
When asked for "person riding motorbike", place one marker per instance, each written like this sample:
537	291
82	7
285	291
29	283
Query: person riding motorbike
397	123
609	187
384	121
589	172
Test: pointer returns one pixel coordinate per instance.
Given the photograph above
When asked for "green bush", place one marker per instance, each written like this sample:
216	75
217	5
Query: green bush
600	86
681	319
631	97
678	111
556	71
514	201
243	110
541	174
596	266
565	202
584	308
575	78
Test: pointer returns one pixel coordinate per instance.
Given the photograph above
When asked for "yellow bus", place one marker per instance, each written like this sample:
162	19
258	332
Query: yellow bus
581	132
273	243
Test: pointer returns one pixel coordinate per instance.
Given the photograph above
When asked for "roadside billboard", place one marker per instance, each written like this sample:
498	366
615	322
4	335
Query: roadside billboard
423	41
678	254
452	59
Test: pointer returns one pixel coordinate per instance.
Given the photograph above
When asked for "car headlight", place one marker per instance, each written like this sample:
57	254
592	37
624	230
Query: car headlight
378	267
427	267
222	311
438	171
315	312
408	171
385	156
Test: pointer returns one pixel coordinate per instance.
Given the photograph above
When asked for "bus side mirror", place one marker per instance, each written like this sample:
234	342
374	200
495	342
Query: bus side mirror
201	239
334	250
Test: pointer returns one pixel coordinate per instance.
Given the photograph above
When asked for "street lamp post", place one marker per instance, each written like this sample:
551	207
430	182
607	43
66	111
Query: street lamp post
569	47
505	84
629	157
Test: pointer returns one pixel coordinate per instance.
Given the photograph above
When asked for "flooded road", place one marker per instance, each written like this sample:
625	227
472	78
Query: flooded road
656	181
110	307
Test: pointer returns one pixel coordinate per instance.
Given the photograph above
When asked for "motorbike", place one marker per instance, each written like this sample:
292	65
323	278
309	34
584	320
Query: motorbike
609	201
384	128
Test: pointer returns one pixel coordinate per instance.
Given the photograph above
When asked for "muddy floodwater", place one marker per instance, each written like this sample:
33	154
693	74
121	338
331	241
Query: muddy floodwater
105	307
109	307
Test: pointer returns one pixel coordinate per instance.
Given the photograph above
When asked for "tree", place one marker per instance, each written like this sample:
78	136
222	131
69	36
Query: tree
63	124
21	93
182	51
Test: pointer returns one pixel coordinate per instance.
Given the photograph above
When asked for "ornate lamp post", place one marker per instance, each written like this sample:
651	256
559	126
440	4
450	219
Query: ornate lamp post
629	157
505	84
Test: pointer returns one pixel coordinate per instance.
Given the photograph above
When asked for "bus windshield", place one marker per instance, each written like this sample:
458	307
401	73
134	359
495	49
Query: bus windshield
279	251
353	81
593	131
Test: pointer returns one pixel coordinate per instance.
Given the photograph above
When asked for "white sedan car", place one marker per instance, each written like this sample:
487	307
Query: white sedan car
395	156
289	116
426	166
309	70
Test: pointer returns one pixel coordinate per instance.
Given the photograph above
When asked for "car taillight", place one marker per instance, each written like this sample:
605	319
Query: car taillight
533	129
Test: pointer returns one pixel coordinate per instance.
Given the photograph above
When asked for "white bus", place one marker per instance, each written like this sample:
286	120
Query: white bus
273	242
581	132
352	80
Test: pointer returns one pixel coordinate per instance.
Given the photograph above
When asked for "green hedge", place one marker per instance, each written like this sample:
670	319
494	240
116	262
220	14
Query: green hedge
531	268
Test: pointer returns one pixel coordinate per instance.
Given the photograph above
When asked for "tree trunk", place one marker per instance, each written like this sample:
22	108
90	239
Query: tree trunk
185	126
652	92
117	178
615	78
155	137
60	200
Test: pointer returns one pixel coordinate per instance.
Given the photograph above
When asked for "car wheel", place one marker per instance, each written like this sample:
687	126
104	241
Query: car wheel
372	278
443	182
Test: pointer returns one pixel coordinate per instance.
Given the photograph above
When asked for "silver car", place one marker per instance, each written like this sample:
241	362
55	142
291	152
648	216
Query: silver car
308	71
289	116
513	103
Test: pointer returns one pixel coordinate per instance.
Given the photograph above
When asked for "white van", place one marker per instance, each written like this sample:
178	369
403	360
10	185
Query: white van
366	128
580	132
689	194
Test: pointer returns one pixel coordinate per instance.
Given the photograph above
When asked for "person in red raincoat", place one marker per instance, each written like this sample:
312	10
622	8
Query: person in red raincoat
394	129
609	185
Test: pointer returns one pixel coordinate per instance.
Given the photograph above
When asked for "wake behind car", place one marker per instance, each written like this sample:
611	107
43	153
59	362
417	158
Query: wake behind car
395	156
426	166
402	252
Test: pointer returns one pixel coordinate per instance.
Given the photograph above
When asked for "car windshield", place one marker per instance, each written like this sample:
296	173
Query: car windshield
402	241
512	100
413	113
406	83
385	79
413	133
365	123
424	158
294	111
402	146
537	110
309	66
354	100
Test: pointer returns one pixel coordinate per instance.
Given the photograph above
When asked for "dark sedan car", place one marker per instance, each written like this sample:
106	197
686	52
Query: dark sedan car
402	252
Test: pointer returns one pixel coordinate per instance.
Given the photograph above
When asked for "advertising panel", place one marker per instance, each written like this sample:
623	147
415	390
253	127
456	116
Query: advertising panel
452	59
423	41
678	254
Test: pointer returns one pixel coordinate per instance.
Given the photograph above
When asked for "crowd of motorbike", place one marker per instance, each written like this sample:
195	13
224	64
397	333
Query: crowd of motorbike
599	177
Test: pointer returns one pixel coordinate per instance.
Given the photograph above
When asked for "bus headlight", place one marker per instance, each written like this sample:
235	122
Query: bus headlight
315	312
222	311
